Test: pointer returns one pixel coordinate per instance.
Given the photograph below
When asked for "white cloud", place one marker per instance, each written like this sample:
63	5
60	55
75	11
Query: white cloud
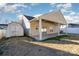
72	13
34	4
59	5
52	3
65	8
2	4
67	5
50	10
72	19
19	12
19	5
10	8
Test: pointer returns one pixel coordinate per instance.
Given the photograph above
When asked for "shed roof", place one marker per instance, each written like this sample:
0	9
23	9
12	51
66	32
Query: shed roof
29	17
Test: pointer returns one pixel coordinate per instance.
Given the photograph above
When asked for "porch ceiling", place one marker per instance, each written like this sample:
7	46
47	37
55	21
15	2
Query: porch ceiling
54	17
49	21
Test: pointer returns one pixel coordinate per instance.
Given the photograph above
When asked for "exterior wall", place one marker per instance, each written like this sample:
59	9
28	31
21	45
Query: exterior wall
26	24
47	27
14	29
34	25
50	26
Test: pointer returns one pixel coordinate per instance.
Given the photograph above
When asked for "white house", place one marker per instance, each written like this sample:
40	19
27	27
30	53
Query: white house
44	26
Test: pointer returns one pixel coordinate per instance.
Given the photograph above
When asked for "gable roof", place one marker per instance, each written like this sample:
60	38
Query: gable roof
55	16
29	17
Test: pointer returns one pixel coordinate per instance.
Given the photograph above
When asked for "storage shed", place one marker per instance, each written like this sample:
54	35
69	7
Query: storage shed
14	29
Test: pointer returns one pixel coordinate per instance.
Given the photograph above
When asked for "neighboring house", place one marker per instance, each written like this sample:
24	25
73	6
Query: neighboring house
14	29
3	26
45	26
72	25
72	28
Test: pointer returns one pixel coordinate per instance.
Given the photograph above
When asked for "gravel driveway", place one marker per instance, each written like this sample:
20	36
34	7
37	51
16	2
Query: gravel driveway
20	46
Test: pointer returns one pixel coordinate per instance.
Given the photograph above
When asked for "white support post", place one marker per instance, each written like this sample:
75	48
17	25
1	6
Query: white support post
58	29
40	29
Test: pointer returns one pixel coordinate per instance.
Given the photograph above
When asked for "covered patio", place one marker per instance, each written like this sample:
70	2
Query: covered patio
55	18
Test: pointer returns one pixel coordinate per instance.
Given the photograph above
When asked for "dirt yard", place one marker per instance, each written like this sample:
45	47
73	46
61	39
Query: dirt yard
23	46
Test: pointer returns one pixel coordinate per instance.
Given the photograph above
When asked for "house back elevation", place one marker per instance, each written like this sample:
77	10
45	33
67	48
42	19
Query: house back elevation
44	26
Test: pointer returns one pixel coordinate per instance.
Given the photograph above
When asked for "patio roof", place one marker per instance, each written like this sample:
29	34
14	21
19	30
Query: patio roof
55	16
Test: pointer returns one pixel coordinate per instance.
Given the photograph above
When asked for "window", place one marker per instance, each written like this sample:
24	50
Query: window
44	29
51	30
36	28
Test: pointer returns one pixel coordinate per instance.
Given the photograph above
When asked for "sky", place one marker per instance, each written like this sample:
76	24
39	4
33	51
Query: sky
10	11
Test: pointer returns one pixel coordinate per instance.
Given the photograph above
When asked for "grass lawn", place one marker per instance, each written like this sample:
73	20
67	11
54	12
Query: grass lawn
70	45
58	37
